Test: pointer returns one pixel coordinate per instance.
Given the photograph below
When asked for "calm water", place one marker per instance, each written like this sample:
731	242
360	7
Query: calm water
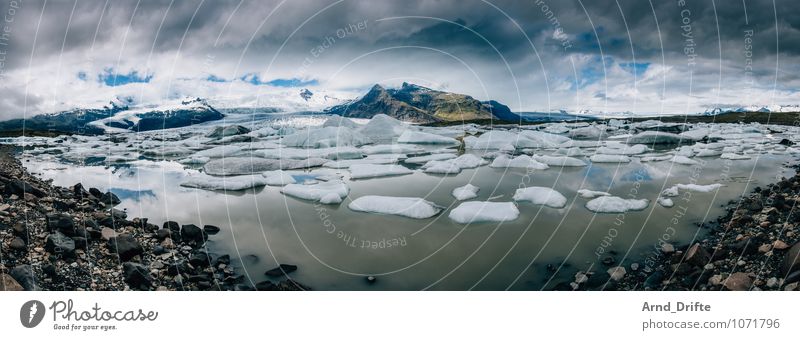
335	248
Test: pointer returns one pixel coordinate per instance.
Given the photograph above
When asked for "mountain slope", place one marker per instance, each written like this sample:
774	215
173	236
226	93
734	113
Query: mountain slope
419	104
116	116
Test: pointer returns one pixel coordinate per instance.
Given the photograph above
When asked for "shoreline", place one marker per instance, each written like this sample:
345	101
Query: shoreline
754	246
73	239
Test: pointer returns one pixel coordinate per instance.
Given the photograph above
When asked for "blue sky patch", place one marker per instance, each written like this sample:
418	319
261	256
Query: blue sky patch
254	79
636	69
215	79
110	78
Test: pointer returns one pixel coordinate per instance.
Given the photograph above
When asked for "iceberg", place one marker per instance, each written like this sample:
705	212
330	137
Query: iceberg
230	166
600	158
339	121
391	148
684	160
428	158
455	165
412	207
382	128
541	195
465	192
278	178
417	137
473	212
586	193
614	204
219	151
654	137
318	191
361	171
231	183
665	202
559	160
325	137
621	149
733	156
522	161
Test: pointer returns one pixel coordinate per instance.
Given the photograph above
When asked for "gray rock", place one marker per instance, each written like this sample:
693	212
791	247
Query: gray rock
58	243
136	275
24	275
125	246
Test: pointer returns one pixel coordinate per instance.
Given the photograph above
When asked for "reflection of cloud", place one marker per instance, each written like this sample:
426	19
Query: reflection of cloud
134	195
638	174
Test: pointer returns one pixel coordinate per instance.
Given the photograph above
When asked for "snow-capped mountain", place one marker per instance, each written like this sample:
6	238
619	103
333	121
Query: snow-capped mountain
752	108
289	100
120	114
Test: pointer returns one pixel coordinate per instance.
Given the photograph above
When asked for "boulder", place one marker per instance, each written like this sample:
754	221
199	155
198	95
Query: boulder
792	260
125	246
20	188
193	234
24	275
281	270
58	243
696	255
61	222
7	283
738	281
110	199
136	275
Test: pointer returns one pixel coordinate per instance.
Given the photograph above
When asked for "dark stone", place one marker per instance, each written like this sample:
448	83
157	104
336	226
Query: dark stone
598	280
193	234
58	243
370	279
792	260
61	222
696	255
200	259
786	142
223	259
754	205
25	276
95	192
172	226
110	199
654	280
158	250
80	242
747	246
176	268
242	288
792	277
49	270
161	234
61	205
210	229
125	246
21	230
136	275
18	244
266	286
608	260
20	188
281	270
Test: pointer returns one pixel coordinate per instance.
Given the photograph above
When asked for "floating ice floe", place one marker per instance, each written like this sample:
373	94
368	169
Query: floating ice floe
428	158
340	152
673	190
665	202
330	136
589	132
684	160
412	207
707	153
614	204
194	160
522	161
503	140
541	195
344	164
167	151
219	151
622	149
655	158
455	165
278	178
323	192
559	160
339	121
586	193
230	166
390	148
733	156
465	192
361	171
382	128
654	137
600	158
418	137
473	212
696	134
232	183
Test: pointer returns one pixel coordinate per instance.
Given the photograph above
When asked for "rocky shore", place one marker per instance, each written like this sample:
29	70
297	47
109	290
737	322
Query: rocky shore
55	238
753	247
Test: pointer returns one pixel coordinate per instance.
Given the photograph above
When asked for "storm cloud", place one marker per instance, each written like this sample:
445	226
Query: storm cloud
535	55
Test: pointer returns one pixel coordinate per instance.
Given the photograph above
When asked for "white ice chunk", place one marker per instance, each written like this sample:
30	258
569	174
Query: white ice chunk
665	202
219	151
229	166
318	191
390	148
412	207
278	178
522	161
600	158
336	121
454	166
614	204
418	137
360	171
541	195
465	192
428	158
232	183
472	212
325	137
559	160
586	193
622	149
733	156
684	160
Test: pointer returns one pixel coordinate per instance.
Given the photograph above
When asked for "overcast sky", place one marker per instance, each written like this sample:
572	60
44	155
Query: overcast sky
533	55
